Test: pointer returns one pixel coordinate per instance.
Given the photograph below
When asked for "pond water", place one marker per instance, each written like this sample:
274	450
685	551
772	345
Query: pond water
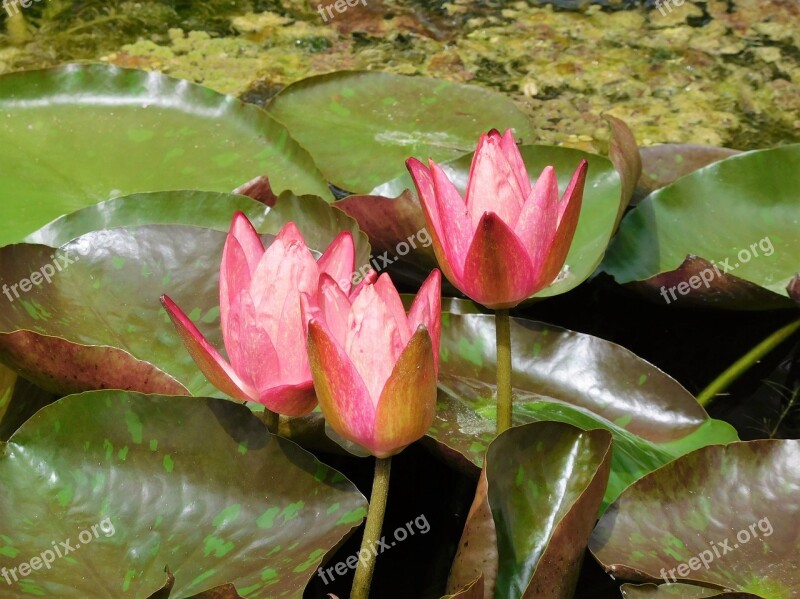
723	72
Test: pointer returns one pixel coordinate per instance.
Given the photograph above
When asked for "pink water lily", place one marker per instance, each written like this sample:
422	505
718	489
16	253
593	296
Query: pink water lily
262	325
509	239
374	367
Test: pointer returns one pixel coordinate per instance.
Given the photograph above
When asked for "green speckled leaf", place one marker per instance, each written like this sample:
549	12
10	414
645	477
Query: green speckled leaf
724	516
76	135
740	214
602	202
99	323
534	511
361	126
569	377
195	485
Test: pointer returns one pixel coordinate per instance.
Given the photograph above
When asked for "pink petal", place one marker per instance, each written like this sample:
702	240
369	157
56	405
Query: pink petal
374	341
493	184
425	190
394	305
498	273
234	276
218	372
408	403
457	228
250	349
368	279
244	232
514	157
569	210
333	308
290	400
538	221
286	270
426	311
430	207
342	394
339	260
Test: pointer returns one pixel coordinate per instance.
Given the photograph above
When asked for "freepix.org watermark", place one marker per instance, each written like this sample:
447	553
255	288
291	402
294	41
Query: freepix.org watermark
400	534
720	549
381	261
340	6
45	273
12	6
709	274
61	549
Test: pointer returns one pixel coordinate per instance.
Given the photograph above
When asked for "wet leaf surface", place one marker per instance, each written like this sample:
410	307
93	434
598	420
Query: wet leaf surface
722	515
664	163
535	508
70	136
193	484
740	214
361	126
569	377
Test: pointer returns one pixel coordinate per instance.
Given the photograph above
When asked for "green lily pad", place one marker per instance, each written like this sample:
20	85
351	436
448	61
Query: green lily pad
534	511
603	201
569	377
211	210
208	209
99	323
682	591
79	134
135	484
360	127
739	214
722	516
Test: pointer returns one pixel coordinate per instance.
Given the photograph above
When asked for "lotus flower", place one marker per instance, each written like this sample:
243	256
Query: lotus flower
375	367
262	325
509	239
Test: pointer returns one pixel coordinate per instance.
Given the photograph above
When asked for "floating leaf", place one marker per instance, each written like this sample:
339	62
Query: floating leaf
740	214
361	126
723	516
569	377
535	508
208	209
664	163
79	134
138	483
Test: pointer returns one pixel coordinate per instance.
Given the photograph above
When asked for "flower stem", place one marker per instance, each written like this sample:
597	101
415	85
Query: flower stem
503	331
272	420
738	368
372	530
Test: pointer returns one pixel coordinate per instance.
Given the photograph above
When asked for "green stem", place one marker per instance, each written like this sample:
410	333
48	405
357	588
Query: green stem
503	330
372	530
738	368
272	420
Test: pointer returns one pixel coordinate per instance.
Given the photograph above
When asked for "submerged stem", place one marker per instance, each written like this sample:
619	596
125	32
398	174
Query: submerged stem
738	368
